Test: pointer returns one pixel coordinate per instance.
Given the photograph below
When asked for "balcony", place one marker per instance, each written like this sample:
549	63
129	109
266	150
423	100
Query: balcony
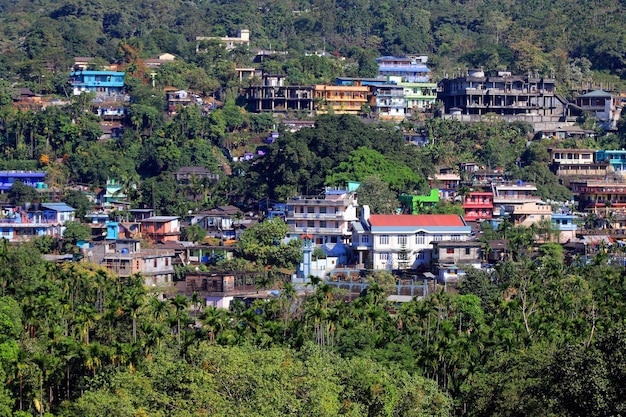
322	216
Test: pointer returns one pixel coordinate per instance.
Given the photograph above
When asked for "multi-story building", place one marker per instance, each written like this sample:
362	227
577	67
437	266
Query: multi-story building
31	178
528	212
518	201
20	224
403	241
103	83
605	106
576	163
478	206
419	97
411	69
161	228
599	195
276	97
389	102
327	218
450	258
340	99
616	158
126	257
511	97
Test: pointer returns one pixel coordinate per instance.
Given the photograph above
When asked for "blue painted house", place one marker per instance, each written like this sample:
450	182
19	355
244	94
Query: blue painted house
19	224
31	178
103	83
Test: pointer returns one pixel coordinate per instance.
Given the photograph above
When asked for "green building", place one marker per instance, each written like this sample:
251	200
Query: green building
416	204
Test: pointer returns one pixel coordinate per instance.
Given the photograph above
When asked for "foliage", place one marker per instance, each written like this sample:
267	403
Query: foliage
376	194
263	244
75	231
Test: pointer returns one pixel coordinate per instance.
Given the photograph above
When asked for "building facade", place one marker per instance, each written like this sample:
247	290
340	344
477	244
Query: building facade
102	83
327	218
403	241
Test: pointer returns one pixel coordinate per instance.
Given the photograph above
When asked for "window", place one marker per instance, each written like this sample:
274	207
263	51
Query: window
310	209
384	239
402	240
167	261
155	262
310	223
322	223
365	239
383	256
438	238
467	251
456	237
450	251
322	210
420	238
420	256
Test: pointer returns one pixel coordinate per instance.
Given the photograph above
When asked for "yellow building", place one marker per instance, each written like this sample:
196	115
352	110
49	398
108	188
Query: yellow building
339	99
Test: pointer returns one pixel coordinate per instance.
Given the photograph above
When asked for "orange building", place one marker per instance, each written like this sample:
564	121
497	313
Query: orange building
340	99
161	228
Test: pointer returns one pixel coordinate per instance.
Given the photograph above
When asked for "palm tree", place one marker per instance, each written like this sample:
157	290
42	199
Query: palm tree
213	321
180	304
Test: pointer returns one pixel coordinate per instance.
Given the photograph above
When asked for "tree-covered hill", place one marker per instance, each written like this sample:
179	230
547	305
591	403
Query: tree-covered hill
521	36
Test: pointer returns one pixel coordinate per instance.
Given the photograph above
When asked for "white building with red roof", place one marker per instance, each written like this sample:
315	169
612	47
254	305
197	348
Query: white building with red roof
403	241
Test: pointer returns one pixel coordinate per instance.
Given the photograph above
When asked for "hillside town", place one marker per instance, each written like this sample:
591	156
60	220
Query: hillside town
422	250
312	209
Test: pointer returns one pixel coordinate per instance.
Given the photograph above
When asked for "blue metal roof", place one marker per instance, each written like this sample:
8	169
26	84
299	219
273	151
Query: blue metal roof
57	207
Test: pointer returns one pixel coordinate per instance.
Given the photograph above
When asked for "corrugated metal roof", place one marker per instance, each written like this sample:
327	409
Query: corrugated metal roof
433	220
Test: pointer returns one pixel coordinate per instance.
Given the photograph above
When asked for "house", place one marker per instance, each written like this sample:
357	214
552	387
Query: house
160	60
27	100
220	221
220	289
419	138
111	130
565	132
409	69
616	159
451	257
478	206
606	107
389	102
565	223
415	204
510	97
20	224
33	179
326	217
242	39
102	83
594	195
447	183
161	228
340	99
578	163
275	97
486	177
126	257
178	98
419	97
112	195
403	241
185	175
527	212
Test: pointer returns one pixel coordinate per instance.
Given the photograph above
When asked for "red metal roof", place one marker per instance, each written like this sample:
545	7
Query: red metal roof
382	220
